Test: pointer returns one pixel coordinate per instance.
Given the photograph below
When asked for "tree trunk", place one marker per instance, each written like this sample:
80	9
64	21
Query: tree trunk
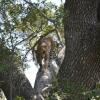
12	78
21	85
82	39
44	80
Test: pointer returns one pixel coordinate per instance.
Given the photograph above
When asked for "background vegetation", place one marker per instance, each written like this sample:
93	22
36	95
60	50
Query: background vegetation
22	23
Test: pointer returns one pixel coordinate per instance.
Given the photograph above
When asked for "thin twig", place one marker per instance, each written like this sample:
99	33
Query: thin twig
49	19
24	39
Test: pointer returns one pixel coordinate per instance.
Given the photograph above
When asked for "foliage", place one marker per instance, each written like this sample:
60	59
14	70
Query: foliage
22	22
94	94
19	98
2	67
72	91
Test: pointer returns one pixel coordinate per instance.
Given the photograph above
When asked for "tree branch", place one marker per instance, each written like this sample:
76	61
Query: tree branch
33	48
25	39
49	19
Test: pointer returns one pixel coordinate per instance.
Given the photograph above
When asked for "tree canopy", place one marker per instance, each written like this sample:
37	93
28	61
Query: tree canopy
23	22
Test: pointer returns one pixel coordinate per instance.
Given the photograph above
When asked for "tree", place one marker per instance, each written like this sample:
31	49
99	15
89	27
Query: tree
81	66
13	77
21	23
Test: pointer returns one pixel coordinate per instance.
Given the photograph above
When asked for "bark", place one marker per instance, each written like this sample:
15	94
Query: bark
44	80
81	65
20	85
12	78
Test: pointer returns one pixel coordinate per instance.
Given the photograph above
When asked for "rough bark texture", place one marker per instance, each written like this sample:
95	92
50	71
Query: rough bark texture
21	85
82	55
